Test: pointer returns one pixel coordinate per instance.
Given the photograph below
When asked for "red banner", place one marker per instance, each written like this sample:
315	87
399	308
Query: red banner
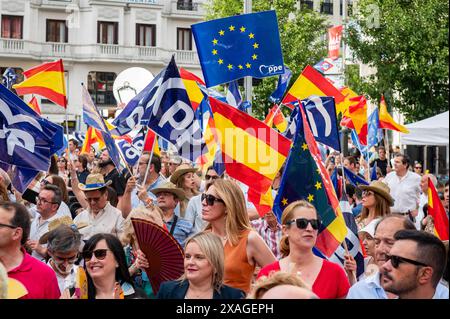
334	41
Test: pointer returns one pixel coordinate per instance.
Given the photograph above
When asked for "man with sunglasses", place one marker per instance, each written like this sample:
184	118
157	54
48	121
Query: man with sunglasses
370	287
194	208
47	206
415	266
38	278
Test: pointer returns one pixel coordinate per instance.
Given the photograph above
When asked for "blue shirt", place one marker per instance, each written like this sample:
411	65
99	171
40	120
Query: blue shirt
135	201
182	230
370	288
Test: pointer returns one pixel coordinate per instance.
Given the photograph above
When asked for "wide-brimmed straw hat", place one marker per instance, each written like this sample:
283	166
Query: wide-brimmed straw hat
65	220
170	188
94	182
381	189
180	171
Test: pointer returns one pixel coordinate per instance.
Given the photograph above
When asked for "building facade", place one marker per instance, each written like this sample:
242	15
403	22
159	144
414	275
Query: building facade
97	39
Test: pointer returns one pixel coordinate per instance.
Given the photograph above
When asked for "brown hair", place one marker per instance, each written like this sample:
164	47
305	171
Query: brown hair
288	215
382	208
59	182
3	193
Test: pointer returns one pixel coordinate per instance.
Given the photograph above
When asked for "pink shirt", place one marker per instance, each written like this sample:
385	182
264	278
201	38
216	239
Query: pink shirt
39	279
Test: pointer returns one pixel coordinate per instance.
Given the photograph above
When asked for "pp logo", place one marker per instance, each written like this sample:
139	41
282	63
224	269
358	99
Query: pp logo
270	69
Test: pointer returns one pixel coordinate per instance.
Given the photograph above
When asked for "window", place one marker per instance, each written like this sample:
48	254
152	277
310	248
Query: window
307	3
57	31
107	32
184	39
326	7
146	35
349	8
186	5
12	27
100	87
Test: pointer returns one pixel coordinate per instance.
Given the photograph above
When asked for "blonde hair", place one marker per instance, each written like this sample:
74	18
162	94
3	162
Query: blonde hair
152	214
237	220
3	282
288	215
212	247
263	284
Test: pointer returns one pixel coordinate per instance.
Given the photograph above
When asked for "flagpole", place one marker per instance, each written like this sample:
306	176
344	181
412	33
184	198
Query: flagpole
248	79
149	160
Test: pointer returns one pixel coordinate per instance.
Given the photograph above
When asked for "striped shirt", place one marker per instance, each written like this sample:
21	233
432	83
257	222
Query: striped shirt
271	238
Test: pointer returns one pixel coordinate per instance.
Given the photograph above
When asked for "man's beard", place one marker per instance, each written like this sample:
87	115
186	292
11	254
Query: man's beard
103	164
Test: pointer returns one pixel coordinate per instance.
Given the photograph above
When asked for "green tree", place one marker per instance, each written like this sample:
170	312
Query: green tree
302	35
406	41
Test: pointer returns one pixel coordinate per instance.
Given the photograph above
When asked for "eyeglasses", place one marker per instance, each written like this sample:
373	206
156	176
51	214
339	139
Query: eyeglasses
367	193
142	163
43	200
69	260
45	182
62	160
213	177
9	226
418	167
210	199
397	260
302	223
100	254
94	199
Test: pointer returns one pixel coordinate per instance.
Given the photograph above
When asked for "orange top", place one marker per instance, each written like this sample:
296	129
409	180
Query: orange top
238	271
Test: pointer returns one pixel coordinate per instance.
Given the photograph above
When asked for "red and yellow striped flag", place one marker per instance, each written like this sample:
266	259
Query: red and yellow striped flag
437	211
46	80
151	142
35	105
311	82
386	120
252	151
190	81
92	136
276	119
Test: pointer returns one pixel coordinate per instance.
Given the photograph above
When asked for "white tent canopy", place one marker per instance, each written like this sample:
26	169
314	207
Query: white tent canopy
431	131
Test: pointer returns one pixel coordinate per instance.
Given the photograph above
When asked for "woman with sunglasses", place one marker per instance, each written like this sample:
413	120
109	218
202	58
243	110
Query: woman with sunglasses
203	272
184	178
106	269
62	168
376	202
63	246
300	228
223	207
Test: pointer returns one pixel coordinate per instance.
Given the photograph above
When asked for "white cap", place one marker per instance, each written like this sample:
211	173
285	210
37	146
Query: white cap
370	228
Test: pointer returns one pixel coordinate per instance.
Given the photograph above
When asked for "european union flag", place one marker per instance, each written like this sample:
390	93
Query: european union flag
354	179
234	47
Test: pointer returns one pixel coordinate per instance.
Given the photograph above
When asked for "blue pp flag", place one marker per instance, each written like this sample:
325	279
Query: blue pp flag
373	173
9	78
283	83
355	140
234	97
234	47
27	141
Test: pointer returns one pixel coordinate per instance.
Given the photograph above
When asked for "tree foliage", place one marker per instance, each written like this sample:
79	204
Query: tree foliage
302	35
406	41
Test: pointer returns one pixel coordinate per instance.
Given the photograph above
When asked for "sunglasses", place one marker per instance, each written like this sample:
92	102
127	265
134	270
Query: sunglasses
210	199
302	223
397	260
367	193
213	177
100	254
45	182
418	167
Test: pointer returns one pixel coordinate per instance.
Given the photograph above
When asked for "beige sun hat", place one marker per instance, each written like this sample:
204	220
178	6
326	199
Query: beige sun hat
381	189
180	171
65	220
170	188
94	182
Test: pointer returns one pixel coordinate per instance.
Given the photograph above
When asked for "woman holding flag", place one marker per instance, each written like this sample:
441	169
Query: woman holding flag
300	228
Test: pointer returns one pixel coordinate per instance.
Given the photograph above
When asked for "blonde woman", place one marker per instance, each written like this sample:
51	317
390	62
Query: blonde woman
376	202
136	260
223	207
300	224
203	272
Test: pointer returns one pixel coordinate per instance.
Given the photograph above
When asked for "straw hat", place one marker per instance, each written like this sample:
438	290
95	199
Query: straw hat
381	189
94	182
170	188
65	220
180	171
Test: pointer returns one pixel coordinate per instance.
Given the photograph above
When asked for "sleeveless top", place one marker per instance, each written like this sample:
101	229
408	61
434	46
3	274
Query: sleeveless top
238	271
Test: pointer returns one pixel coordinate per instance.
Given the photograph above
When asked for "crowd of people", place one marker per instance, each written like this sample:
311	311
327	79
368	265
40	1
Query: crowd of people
77	217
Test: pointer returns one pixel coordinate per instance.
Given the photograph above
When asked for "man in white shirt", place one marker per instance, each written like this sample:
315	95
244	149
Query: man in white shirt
405	187
47	206
101	216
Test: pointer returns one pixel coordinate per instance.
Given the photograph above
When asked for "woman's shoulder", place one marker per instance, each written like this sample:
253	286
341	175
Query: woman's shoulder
227	292
172	289
266	270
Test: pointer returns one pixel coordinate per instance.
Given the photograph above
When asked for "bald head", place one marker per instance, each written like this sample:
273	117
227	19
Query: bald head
424	182
288	292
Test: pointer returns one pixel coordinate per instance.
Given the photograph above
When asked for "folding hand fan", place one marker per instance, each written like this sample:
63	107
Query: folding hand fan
163	252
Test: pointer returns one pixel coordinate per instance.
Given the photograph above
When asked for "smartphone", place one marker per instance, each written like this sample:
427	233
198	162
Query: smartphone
333	160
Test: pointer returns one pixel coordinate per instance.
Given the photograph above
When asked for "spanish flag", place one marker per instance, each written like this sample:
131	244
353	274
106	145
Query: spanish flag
35	105
437	211
386	120
252	151
151	142
356	118
276	117
46	80
92	136
311	82
190	81
347	102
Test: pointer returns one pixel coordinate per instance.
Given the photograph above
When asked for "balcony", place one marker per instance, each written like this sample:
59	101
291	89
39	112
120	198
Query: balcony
187	5
95	52
185	9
